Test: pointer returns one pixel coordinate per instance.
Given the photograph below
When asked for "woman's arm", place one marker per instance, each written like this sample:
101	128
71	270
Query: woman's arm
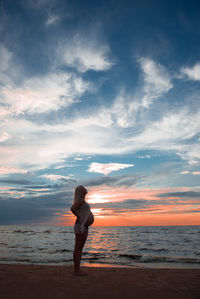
74	209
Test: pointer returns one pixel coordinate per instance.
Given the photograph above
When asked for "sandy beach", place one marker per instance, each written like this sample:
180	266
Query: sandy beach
35	281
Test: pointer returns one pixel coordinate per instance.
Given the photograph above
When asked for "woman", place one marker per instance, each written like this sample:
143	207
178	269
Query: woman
85	218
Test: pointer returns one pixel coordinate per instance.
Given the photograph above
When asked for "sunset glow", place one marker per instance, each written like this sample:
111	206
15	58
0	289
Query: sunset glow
98	212
135	207
97	198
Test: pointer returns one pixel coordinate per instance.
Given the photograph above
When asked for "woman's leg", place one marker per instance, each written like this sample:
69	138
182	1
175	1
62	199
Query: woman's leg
79	243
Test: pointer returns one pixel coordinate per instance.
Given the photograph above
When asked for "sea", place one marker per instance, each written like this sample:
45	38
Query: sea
123	246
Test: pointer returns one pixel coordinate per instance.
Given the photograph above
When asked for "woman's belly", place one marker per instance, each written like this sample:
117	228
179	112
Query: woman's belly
90	219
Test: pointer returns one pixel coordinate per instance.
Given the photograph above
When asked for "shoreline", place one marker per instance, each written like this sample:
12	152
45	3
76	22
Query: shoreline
104	265
55	281
139	266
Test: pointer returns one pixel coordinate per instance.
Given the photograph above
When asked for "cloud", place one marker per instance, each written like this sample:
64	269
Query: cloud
106	168
184	194
132	202
44	93
120	180
125	121
188	172
125	205
84	53
145	157
171	133
7	77
34	203
191	153
5	136
157	81
192	73
36	209
5	57
54	142
15	181
196	172
9	170
7	64
52	19
55	177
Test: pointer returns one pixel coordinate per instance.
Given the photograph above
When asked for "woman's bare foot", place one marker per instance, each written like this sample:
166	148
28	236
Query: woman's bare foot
80	273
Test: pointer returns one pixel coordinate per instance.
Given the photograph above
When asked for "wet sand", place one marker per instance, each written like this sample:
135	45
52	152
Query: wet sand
35	281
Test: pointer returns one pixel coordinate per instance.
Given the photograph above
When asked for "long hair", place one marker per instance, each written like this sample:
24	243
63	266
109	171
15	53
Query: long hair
79	195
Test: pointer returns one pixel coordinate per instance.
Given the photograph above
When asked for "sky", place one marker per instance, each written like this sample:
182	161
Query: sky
105	94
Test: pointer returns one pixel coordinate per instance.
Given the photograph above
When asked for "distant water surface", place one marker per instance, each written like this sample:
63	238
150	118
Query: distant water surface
164	246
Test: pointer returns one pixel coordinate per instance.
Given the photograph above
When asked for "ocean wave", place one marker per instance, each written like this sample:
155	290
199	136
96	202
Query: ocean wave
90	258
160	259
154	249
4	244
10	259
97	254
62	251
190	260
131	256
160	249
167	259
19	231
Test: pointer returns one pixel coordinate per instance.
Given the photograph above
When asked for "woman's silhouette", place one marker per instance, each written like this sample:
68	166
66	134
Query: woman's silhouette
85	218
